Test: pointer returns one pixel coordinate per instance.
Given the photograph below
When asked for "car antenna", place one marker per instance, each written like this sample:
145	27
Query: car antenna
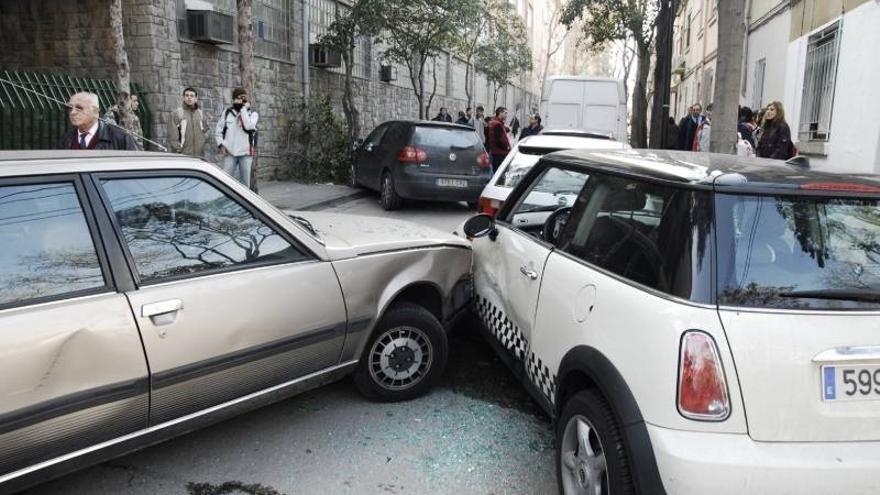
64	103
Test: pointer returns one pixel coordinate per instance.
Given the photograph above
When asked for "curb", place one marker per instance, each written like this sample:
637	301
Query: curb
329	203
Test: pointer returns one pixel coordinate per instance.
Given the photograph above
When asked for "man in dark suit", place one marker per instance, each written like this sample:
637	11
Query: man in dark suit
687	129
89	132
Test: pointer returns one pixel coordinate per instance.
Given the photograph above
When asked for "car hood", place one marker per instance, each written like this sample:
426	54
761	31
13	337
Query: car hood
347	236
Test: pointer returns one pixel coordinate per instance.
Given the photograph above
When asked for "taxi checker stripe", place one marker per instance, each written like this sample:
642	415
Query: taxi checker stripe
540	375
508	334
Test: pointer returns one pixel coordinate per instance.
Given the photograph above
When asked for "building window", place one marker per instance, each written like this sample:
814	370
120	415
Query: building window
322	13
271	20
819	81
687	31
758	88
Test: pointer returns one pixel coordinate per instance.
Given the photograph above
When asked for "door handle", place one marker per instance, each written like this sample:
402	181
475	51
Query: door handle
532	274
161	307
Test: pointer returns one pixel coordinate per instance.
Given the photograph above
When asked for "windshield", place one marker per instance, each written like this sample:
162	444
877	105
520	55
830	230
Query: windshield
798	252
556	188
517	168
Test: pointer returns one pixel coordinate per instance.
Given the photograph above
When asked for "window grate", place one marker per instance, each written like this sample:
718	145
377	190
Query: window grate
819	83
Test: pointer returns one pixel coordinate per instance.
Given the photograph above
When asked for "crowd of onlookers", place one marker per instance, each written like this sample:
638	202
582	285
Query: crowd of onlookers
764	134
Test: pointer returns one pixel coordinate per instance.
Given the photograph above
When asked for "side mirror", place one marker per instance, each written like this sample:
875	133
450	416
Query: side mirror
357	144
479	226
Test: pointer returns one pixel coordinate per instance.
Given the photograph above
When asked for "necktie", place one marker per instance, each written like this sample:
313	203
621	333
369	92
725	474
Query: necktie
82	139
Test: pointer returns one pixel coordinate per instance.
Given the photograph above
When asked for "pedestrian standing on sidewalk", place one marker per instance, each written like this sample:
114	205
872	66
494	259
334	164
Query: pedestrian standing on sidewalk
499	144
776	135
470	117
480	124
462	119
704	132
533	128
687	132
746	126
89	133
112	116
187	127
443	116
236	137
671	142
514	123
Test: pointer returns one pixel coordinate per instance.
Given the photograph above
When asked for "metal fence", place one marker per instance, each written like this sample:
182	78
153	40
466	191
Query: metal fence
819	82
29	121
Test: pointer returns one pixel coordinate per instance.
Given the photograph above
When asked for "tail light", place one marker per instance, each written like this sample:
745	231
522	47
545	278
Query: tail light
483	160
840	187
411	154
489	206
702	388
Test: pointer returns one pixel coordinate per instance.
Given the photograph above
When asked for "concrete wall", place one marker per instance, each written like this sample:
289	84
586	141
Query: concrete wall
855	130
770	42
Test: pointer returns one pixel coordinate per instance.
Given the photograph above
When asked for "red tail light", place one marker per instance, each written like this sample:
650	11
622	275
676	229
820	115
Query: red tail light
483	160
702	388
840	187
411	154
489	206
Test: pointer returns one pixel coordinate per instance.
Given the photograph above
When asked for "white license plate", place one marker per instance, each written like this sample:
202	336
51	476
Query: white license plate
452	183
850	382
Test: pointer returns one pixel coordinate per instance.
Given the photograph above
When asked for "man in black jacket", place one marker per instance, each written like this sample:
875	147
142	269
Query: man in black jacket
687	129
89	132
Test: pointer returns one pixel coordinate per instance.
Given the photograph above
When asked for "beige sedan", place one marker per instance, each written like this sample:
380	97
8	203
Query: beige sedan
143	295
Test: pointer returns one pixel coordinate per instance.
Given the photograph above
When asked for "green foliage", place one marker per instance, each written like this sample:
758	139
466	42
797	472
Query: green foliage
611	20
317	144
362	18
505	52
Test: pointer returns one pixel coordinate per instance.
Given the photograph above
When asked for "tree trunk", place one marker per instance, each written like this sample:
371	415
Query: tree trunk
468	91
639	121
731	33
123	71
246	61
433	88
352	114
662	73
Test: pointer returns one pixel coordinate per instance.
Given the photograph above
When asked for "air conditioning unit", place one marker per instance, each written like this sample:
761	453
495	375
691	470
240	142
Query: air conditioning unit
387	73
209	26
323	57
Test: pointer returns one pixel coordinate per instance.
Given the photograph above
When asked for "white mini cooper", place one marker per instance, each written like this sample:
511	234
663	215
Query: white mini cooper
694	323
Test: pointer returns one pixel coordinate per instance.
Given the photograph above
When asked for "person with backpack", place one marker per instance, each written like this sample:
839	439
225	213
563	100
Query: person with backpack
236	135
775	141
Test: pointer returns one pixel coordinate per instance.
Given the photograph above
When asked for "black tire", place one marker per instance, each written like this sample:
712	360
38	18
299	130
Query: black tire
387	194
590	407
419	352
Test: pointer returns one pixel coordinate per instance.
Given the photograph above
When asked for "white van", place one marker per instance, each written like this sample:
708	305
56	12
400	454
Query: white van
595	104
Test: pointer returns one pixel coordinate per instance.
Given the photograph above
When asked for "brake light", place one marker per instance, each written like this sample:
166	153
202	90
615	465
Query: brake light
411	154
489	206
483	160
702	387
840	187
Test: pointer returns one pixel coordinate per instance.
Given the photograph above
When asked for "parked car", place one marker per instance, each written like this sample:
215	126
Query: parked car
421	161
695	323
527	152
143	295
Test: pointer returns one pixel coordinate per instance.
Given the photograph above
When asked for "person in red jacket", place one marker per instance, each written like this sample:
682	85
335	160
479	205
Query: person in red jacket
498	142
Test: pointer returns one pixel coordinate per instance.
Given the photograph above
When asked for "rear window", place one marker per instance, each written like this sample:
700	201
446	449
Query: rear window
446	137
798	252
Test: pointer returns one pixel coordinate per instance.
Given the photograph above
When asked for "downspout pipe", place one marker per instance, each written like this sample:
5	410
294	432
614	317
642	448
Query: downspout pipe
305	52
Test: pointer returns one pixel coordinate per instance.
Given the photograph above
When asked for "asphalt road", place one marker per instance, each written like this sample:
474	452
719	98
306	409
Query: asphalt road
478	433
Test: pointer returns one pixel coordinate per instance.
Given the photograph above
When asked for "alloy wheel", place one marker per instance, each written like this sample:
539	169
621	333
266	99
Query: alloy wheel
400	358
584	468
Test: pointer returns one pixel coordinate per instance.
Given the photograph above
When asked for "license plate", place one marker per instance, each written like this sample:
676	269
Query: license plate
452	183
851	382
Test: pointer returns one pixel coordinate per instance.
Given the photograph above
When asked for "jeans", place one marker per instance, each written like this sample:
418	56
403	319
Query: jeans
239	167
497	160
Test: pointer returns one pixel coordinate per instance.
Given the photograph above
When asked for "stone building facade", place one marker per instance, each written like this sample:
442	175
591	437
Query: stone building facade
72	37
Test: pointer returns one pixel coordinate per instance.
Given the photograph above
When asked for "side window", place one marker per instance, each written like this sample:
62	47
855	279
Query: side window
553	189
182	225
47	249
375	137
651	234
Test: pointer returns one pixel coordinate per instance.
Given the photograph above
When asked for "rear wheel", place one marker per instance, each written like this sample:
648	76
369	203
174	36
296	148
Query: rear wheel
405	356
388	195
590	453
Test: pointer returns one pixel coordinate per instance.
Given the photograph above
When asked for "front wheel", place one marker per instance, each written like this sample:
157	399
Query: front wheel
352	175
590	452
405	356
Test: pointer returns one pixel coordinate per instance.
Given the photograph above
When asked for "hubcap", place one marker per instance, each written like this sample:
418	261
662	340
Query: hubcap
400	358
583	467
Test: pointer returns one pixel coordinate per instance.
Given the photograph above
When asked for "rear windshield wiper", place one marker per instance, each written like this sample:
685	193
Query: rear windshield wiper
865	295
305	223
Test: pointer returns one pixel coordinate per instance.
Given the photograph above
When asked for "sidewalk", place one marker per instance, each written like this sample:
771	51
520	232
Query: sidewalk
290	195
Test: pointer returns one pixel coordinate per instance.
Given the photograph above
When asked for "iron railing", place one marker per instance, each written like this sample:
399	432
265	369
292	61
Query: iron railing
819	82
30	121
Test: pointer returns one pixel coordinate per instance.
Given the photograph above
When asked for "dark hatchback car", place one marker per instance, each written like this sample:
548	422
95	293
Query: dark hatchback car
422	161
